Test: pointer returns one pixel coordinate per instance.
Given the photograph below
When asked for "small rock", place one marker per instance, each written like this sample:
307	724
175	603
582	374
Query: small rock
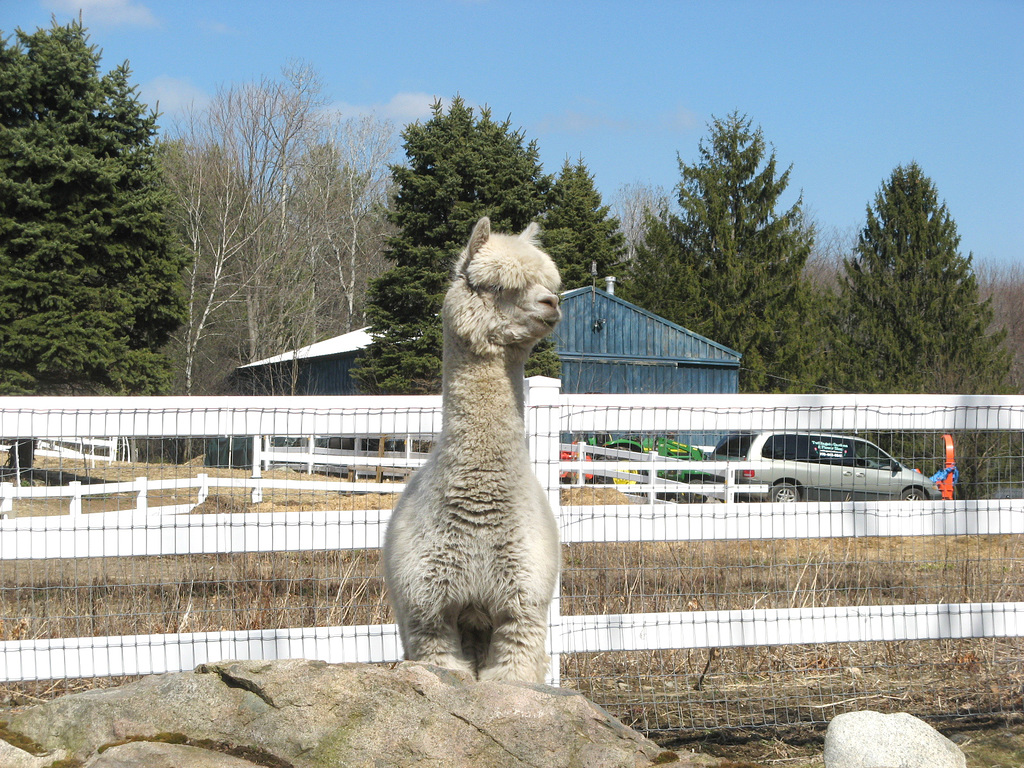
875	740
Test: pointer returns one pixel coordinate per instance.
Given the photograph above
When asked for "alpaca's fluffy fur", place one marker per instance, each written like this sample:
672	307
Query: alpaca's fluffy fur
471	554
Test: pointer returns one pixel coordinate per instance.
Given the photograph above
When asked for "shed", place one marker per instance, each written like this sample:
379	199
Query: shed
606	345
323	368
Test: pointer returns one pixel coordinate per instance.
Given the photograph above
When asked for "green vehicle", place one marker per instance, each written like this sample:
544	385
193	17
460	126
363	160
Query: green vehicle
664	447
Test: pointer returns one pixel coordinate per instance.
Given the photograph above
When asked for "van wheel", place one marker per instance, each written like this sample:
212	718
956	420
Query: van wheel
913	494
785	493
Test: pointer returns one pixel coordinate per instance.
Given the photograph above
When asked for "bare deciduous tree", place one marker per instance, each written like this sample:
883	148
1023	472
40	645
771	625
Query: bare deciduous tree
348	187
1004	284
832	246
631	205
280	203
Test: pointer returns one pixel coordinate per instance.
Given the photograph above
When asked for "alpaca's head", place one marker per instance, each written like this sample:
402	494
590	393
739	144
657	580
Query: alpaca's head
504	292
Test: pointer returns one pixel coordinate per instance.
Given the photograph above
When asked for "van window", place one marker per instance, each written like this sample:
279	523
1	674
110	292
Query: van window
831	450
871	456
788	448
734	446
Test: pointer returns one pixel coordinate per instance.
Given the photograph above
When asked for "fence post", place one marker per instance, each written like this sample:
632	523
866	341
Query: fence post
204	488
653	475
257	471
75	509
142	485
543	432
6	499
581	459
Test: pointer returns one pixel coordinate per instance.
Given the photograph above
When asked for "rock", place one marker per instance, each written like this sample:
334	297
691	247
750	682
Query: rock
875	740
310	714
14	757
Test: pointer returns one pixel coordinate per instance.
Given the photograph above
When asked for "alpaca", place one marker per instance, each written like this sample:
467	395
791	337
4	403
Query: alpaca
471	554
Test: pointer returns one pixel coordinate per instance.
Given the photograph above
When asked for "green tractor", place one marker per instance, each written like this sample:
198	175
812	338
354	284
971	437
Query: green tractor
664	446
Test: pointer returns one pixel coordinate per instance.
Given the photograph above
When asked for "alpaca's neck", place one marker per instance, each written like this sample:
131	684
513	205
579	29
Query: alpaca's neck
483	405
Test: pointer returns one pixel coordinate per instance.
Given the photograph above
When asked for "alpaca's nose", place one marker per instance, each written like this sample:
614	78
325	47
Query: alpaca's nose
550	300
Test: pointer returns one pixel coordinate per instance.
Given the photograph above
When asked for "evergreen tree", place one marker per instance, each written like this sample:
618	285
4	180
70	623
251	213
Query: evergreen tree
657	278
911	319
89	271
730	267
460	166
578	231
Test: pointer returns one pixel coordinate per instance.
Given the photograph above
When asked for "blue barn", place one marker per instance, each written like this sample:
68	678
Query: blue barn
606	345
610	346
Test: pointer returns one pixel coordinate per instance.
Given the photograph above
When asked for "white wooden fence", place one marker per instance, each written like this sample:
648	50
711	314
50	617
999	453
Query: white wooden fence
150	531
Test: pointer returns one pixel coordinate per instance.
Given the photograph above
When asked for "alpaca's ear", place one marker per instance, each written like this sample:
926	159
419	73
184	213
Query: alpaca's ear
481	234
530	233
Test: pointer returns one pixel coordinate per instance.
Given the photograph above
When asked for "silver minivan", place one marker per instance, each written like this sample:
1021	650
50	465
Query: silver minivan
805	466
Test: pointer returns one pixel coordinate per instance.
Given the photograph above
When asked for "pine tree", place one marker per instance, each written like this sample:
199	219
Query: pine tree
89	270
578	232
656	277
730	267
911	319
460	166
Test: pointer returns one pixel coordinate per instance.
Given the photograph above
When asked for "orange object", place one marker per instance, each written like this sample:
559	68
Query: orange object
946	484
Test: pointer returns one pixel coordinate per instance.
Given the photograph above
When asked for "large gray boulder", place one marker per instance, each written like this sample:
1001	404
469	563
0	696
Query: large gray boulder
874	740
309	714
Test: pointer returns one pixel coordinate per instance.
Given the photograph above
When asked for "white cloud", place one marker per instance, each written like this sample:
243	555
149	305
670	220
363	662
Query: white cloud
401	108
217	28
171	95
574	121
107	12
406	107
680	119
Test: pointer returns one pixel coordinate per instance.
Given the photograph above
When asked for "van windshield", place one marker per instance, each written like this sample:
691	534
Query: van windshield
734	446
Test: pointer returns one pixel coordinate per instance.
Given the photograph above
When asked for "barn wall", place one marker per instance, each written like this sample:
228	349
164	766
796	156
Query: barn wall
626	377
316	376
329	376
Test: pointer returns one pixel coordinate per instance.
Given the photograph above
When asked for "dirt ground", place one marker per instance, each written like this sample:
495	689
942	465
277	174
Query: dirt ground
986	744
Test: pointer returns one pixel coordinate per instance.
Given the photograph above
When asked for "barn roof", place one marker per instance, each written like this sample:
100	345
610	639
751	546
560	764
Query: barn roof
597	324
338	345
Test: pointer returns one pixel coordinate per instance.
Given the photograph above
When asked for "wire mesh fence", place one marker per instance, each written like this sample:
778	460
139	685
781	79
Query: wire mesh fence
689	598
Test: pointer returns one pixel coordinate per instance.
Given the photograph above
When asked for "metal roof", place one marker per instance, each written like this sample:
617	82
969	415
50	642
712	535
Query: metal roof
597	324
338	345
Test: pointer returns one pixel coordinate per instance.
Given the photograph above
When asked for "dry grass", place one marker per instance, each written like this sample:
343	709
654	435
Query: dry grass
655	691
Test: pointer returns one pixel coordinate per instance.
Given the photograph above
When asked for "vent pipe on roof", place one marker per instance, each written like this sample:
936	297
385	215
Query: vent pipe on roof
609	284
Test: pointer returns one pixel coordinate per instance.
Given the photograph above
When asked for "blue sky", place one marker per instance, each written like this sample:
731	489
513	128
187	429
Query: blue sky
844	91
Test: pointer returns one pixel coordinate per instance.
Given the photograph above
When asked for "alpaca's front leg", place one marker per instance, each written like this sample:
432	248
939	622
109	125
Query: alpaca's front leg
517	649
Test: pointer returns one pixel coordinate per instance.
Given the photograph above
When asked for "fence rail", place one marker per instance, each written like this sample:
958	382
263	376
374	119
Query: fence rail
669	578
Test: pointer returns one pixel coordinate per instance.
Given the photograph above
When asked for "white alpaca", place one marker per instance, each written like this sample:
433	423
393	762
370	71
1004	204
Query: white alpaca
471	554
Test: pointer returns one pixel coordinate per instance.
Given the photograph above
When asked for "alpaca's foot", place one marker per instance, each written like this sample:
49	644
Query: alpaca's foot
440	648
529	672
517	653
445	660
